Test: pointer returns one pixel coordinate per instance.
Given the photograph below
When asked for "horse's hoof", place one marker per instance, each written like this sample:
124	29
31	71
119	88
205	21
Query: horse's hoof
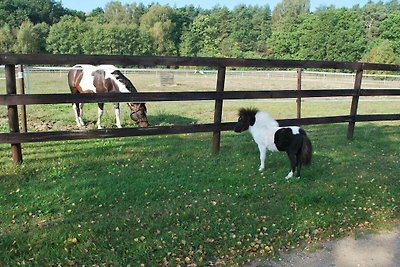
261	169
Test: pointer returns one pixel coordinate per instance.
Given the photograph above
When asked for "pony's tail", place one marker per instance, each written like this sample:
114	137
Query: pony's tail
306	151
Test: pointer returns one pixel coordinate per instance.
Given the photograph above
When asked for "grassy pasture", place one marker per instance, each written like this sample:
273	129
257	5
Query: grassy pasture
166	200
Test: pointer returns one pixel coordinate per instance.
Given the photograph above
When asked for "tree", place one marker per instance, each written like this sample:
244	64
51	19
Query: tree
251	27
287	16
202	39
183	19
157	22
390	30
112	39
381	52
15	12
285	42
26	41
116	12
65	37
289	10
374	14
332	34
6	39
31	38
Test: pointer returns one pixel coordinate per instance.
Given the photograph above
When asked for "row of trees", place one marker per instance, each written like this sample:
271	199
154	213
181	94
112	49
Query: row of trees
290	31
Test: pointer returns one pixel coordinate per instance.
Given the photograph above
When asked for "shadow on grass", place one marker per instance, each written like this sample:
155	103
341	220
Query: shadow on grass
170	119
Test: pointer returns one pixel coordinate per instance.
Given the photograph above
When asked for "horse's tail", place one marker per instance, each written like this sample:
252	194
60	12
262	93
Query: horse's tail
306	150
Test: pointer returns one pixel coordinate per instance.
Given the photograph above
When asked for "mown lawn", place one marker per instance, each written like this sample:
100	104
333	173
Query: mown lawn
166	200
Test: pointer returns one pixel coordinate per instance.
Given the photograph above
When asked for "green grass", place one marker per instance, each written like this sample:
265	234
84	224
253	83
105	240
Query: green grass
160	199
167	200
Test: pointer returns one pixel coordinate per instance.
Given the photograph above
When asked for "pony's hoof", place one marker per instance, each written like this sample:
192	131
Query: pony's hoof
260	169
290	175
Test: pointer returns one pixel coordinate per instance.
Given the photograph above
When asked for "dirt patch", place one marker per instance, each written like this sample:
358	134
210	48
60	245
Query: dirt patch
380	250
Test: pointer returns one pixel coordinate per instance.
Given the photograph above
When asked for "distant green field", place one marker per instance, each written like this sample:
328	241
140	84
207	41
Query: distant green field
166	200
58	117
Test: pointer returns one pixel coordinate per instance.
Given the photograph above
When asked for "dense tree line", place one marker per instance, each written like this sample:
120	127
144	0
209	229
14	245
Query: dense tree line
289	31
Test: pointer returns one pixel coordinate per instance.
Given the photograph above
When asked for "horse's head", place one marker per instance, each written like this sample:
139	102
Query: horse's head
247	118
138	113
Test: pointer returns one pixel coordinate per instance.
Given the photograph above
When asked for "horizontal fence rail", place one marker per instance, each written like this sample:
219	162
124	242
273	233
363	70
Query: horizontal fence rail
184	96
11	99
10	138
150	61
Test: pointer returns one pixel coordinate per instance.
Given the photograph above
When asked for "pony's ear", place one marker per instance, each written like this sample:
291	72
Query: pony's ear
241	112
252	120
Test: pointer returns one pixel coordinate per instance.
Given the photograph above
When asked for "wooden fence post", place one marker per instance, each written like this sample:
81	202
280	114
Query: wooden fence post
354	103
218	109
298	100
13	112
21	91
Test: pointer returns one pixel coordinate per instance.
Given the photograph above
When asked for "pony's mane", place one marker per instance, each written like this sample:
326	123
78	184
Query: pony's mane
247	112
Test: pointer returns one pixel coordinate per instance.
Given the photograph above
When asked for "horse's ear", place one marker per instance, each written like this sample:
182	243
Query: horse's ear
144	106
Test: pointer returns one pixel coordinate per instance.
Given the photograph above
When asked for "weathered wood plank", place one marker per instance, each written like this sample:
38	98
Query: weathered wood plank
109	133
12	113
354	103
166	96
216	141
378	117
9	138
126	132
186	61
380	92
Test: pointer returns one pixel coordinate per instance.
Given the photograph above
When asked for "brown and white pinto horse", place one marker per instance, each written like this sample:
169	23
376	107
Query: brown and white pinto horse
103	79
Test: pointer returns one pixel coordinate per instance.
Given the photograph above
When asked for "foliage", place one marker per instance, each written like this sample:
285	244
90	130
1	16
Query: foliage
381	52
285	43
48	11
202	39
157	22
374	14
345	41
31	38
111	39
66	36
252	30
290	31
6	39
289	10
116	12
390	30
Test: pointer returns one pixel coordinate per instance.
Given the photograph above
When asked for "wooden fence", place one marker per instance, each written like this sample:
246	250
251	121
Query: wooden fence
11	99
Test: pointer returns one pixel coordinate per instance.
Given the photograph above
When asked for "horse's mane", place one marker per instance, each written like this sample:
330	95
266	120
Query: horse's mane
120	77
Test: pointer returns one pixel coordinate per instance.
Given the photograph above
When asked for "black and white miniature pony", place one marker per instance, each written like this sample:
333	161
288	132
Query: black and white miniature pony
269	136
